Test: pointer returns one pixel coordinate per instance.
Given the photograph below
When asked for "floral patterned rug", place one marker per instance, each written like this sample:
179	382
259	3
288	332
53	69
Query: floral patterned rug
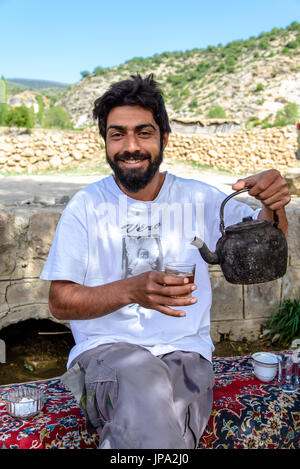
249	414
246	414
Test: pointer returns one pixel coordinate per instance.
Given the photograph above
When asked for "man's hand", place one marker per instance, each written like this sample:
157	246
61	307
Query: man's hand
153	290
271	189
156	290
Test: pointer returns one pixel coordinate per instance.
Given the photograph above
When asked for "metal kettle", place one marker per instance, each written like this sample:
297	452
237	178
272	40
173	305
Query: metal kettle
251	251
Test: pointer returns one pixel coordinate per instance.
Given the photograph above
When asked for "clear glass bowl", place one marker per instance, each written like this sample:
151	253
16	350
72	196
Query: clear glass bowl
24	401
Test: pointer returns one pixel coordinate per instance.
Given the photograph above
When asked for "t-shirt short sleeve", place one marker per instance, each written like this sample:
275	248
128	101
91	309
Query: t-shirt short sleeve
68	255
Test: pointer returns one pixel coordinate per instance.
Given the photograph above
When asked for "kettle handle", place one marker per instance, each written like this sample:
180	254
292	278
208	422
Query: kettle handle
246	189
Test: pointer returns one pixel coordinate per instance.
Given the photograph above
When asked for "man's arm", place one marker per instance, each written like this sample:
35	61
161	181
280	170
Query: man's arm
271	189
153	290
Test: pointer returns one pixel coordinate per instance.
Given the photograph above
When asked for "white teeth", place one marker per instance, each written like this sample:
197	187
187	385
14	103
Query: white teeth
133	161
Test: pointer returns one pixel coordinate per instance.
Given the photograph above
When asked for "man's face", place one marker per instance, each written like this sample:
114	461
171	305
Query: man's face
133	146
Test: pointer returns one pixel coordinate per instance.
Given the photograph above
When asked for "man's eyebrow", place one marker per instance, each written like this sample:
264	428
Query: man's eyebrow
117	127
138	127
142	126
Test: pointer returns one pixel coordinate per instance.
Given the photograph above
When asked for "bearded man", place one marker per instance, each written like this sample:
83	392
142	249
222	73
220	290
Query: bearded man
141	366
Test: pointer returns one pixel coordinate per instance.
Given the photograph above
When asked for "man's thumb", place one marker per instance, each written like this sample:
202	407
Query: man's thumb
242	183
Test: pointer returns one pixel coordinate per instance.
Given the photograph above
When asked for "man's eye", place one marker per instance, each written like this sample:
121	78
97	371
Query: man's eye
116	135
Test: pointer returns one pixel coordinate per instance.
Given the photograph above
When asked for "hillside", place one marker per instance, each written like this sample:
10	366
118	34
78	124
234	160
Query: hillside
22	89
250	79
34	84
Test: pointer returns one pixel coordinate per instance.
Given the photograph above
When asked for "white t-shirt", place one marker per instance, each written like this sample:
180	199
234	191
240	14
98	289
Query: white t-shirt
104	236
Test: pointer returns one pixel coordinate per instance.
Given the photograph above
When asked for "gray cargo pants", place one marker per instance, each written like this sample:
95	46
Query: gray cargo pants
137	400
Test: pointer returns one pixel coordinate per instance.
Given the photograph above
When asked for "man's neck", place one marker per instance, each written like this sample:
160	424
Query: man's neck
150	192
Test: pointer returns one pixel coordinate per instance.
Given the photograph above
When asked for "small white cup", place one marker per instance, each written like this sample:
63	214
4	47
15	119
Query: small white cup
265	366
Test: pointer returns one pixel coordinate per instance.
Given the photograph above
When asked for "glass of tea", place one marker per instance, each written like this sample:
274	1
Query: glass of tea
183	270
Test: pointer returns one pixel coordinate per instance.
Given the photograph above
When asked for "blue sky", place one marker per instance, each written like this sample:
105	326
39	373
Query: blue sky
56	39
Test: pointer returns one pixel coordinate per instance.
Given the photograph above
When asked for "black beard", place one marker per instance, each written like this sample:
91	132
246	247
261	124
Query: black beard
135	179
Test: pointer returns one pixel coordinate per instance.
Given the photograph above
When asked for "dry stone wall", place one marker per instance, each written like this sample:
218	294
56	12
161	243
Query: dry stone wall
243	151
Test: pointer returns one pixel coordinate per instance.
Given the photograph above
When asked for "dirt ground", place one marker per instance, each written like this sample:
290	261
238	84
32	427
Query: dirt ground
39	349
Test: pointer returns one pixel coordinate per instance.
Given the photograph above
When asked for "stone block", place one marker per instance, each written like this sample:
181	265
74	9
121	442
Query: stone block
293	215
227	299
22	313
35	240
7	245
291	283
26	292
262	299
238	329
3	302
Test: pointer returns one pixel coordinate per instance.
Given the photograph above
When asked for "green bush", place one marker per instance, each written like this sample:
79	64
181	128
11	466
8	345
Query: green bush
40	114
193	104
177	80
287	116
3	113
99	71
3	101
259	87
20	116
285	323
217	112
264	44
293	44
294	26
203	66
84	73
57	117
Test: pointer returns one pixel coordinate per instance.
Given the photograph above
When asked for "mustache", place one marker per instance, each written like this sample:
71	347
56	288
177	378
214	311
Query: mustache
137	156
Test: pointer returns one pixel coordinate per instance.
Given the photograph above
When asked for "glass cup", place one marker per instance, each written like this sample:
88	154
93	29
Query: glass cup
288	372
24	401
182	269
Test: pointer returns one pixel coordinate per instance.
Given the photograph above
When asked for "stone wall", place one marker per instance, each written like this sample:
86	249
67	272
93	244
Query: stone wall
26	235
242	151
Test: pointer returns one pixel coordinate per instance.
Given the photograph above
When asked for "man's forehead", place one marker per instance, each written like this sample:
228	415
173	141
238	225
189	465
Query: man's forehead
128	116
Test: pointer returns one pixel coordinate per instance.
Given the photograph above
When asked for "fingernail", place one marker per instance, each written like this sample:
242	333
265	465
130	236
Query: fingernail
193	287
186	280
193	300
182	314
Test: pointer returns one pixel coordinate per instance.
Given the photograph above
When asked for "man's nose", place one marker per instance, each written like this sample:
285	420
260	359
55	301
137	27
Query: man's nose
132	144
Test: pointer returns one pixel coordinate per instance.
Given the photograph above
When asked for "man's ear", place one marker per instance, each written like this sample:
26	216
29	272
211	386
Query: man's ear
165	139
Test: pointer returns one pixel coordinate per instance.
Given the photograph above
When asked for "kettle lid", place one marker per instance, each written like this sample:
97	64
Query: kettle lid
246	224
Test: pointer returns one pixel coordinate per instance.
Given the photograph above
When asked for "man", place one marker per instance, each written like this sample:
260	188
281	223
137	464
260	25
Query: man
141	367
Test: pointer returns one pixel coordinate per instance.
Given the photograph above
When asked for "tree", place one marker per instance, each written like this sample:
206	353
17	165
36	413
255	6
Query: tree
217	112
84	73
3	101
57	117
20	116
40	114
287	116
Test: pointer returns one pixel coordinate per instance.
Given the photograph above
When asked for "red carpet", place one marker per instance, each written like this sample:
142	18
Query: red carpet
246	414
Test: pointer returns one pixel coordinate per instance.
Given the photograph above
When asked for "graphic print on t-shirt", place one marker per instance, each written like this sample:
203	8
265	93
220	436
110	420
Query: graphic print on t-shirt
141	254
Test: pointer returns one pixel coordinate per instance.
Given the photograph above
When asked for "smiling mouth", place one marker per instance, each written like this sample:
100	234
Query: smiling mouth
133	161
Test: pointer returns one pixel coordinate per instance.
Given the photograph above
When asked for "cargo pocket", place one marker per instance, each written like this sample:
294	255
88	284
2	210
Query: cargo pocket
101	392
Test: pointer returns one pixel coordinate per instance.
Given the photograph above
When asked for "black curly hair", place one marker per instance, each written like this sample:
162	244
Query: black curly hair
135	91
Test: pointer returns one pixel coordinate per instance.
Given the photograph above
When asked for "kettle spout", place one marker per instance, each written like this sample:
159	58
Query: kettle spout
206	254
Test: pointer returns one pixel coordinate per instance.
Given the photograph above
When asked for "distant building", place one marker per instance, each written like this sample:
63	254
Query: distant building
194	126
